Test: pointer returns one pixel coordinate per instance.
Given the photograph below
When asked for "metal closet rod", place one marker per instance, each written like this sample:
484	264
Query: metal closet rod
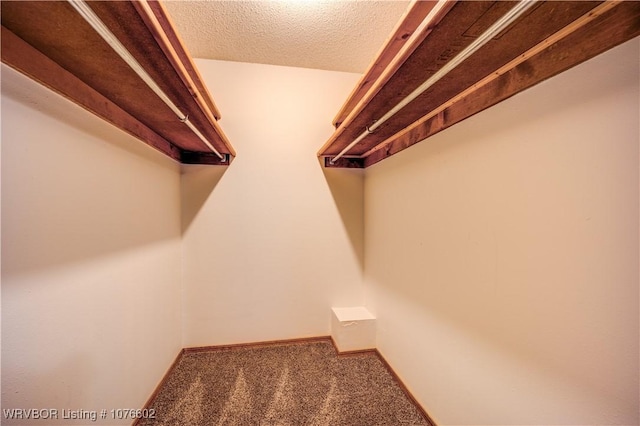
89	15
484	38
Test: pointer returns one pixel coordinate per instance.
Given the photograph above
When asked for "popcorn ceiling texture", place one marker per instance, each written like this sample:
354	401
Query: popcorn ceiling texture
282	384
328	35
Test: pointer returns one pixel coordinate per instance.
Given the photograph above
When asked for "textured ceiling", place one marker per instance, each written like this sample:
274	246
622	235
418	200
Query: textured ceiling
330	35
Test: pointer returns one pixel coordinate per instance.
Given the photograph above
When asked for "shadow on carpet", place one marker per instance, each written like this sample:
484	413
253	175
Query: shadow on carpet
282	384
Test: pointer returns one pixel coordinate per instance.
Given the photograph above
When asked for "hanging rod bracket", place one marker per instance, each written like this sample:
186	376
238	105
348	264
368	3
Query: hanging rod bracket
344	162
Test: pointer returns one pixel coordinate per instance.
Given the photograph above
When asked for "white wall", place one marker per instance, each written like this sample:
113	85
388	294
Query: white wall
90	258
501	256
273	242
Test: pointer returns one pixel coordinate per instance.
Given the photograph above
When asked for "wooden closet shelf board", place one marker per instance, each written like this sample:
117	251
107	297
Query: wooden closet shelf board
549	38
54	31
397	47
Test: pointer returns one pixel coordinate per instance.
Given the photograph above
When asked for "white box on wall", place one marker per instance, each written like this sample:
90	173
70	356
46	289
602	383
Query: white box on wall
353	329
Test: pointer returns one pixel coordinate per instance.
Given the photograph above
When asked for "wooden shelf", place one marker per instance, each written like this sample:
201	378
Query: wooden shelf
549	38
51	43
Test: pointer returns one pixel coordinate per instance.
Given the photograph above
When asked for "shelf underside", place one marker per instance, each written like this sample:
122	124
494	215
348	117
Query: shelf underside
549	38
51	43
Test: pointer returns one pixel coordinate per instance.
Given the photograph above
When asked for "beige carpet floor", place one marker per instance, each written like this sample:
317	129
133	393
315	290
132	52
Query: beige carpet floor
302	383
